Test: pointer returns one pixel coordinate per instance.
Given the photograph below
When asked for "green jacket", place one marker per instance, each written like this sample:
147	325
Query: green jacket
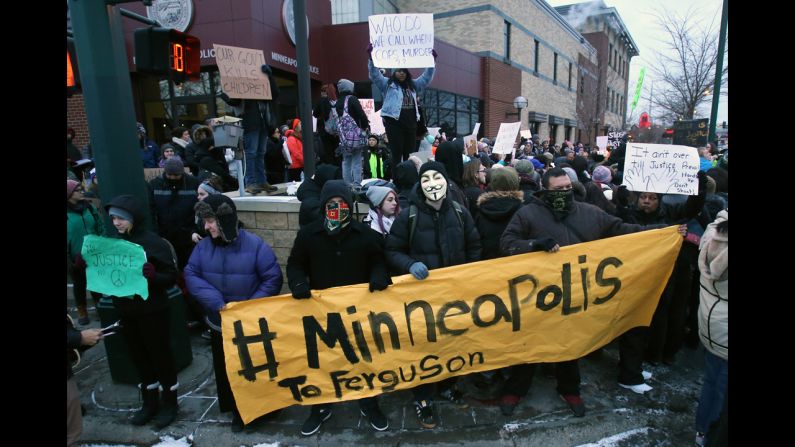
79	224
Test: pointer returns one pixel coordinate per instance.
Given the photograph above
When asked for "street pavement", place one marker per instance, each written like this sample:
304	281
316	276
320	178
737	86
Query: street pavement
615	416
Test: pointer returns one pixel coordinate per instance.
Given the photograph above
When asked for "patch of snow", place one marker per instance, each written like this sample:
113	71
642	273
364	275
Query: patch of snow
612	441
168	441
275	444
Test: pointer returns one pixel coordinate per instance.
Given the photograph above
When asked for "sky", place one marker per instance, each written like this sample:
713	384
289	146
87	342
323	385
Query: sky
642	26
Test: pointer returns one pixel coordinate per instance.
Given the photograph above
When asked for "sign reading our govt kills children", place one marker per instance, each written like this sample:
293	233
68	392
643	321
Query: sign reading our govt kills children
662	168
347	343
402	40
241	72
114	266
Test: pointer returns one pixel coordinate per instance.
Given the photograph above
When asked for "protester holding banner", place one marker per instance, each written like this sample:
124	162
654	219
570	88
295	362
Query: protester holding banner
400	110
229	252
497	206
259	117
82	218
337	251
322	111
550	220
146	322
384	208
432	232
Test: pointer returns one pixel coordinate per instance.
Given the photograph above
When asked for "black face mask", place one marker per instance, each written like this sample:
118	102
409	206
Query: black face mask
560	201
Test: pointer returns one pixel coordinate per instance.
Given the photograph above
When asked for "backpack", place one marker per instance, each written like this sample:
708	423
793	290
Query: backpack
332	123
413	218
351	136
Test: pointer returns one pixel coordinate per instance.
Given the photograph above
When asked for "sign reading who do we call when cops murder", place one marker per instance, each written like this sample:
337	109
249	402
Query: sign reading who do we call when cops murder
402	40
661	168
347	343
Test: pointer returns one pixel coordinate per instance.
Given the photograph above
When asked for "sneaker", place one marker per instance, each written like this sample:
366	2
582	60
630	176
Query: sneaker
455	397
639	388
508	404
317	416
425	414
207	335
699	439
377	419
575	403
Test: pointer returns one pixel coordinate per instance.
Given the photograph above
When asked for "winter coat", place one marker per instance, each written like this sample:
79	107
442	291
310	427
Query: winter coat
309	193
81	220
667	212
535	220
439	240
392	93
713	309
275	163
376	162
406	177
321	111
354	110
242	270
296	147
150	152
354	256
496	208
158	253
172	205
472	193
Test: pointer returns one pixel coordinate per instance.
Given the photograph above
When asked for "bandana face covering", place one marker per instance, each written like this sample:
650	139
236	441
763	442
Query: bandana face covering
560	201
337	217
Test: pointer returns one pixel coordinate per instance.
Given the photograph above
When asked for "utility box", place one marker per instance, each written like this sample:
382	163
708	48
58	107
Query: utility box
121	366
227	134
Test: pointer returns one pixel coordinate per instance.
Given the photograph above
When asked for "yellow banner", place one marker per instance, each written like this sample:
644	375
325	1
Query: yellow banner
347	343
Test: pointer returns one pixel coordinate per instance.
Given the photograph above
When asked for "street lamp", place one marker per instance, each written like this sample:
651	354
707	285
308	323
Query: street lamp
520	102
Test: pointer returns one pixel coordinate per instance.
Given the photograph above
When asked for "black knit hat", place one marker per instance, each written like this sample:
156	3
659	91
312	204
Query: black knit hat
435	166
335	188
223	209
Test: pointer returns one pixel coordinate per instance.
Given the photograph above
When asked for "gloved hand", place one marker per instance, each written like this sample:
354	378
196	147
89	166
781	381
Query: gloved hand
419	270
544	244
302	291
370	50
702	183
266	69
434	53
80	263
378	284
621	196
149	270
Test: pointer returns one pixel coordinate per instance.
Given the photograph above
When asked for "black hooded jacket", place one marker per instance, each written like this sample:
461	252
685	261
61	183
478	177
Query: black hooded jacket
309	193
450	155
496	210
406	177
439	240
353	256
158	253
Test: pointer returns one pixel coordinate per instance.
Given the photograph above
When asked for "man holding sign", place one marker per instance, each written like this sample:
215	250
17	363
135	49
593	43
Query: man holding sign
397	41
145	320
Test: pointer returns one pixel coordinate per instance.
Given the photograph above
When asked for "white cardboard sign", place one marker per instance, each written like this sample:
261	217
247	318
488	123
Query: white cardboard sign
506	138
602	142
661	168
402	40
241	73
376	123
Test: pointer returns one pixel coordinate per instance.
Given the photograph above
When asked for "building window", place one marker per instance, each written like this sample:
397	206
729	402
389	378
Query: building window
610	56
458	111
506	39
344	11
582	84
607	99
621	66
569	74
534	128
535	66
384	7
555	69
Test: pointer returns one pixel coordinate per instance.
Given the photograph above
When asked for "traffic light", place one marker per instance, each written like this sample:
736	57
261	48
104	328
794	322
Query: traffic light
72	72
167	52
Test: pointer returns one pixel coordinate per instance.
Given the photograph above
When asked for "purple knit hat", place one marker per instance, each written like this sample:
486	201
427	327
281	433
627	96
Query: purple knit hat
602	174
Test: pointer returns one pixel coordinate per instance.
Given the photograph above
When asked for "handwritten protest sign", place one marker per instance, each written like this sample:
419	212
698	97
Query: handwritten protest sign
114	266
402	40
476	130
526	134
662	168
470	145
348	343
691	132
614	138
506	138
376	123
241	72
434	131
601	142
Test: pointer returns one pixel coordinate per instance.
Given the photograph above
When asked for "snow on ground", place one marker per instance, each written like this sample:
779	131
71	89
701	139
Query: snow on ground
612	441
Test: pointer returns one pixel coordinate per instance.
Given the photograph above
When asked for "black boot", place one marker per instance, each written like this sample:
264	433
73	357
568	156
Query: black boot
150	395
168	408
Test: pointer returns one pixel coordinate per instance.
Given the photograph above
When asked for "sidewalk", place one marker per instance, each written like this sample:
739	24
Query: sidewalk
615	416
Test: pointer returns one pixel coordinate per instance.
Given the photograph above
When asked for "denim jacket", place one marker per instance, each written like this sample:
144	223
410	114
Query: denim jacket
393	95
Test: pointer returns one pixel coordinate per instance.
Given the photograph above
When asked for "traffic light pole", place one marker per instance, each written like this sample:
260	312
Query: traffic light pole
718	70
107	92
304	89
